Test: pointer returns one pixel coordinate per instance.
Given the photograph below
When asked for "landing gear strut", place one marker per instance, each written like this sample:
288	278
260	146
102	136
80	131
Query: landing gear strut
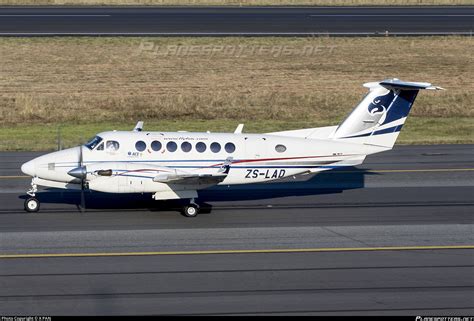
31	203
192	209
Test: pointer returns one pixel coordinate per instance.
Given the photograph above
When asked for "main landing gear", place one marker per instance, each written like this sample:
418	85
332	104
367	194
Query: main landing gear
31	203
191	209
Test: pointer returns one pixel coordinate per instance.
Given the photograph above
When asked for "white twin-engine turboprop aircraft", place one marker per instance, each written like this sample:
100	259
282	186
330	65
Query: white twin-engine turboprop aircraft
175	165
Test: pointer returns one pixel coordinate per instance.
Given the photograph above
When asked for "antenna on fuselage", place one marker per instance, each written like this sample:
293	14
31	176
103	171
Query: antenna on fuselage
239	129
138	127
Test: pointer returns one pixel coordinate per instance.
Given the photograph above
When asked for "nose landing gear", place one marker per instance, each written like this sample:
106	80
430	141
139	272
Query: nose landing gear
31	203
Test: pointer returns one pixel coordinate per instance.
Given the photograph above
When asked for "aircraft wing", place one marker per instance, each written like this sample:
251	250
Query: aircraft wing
211	178
192	179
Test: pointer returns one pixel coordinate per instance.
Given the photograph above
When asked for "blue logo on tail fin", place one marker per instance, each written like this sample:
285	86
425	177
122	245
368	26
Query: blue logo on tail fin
380	104
400	105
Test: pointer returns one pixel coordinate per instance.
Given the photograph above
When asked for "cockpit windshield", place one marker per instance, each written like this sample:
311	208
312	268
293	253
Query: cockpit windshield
93	142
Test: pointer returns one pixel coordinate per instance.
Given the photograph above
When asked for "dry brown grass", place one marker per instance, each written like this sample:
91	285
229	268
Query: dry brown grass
111	79
239	2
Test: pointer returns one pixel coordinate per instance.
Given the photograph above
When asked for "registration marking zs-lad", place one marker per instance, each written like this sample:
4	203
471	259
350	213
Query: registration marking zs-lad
265	173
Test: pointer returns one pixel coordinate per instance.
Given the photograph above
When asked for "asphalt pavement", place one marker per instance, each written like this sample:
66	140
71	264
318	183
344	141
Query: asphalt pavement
393	236
236	21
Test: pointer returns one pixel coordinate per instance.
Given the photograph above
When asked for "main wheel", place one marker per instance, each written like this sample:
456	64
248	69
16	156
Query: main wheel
190	210
32	205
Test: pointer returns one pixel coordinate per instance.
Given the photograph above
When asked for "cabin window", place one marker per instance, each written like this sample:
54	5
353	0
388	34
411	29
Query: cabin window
140	146
100	147
112	146
201	147
156	145
93	142
280	148
171	146
229	147
215	147
186	147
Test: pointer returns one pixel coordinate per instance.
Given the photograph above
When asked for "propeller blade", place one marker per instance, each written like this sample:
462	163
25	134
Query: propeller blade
83	199
83	177
80	156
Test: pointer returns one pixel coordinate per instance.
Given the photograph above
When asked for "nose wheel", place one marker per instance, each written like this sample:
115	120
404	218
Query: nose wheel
32	205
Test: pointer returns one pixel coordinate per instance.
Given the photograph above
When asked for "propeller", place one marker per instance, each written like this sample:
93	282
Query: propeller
81	173
83	178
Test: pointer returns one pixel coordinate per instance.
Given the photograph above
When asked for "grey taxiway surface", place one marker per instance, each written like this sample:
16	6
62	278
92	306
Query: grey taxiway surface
393	236
228	21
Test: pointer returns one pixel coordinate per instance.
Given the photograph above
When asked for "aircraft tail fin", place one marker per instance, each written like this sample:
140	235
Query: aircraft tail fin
379	117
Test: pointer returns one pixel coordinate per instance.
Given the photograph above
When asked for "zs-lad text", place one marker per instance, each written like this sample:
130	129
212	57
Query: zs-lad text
265	173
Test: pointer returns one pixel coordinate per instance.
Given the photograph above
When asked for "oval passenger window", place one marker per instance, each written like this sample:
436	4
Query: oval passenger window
140	145
186	147
216	147
201	147
171	146
229	147
155	145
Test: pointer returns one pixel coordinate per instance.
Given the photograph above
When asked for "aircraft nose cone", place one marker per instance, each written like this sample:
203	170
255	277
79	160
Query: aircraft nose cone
28	168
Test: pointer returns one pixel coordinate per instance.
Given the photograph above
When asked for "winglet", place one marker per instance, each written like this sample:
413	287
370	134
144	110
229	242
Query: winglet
138	127
239	129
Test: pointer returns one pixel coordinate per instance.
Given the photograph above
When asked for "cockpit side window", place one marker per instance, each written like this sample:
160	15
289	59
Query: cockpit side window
93	142
112	146
100	147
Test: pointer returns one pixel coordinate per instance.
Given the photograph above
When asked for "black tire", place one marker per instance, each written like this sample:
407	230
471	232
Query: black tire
190	210
32	205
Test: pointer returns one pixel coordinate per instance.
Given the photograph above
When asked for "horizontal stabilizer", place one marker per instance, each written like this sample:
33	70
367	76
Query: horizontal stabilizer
395	83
